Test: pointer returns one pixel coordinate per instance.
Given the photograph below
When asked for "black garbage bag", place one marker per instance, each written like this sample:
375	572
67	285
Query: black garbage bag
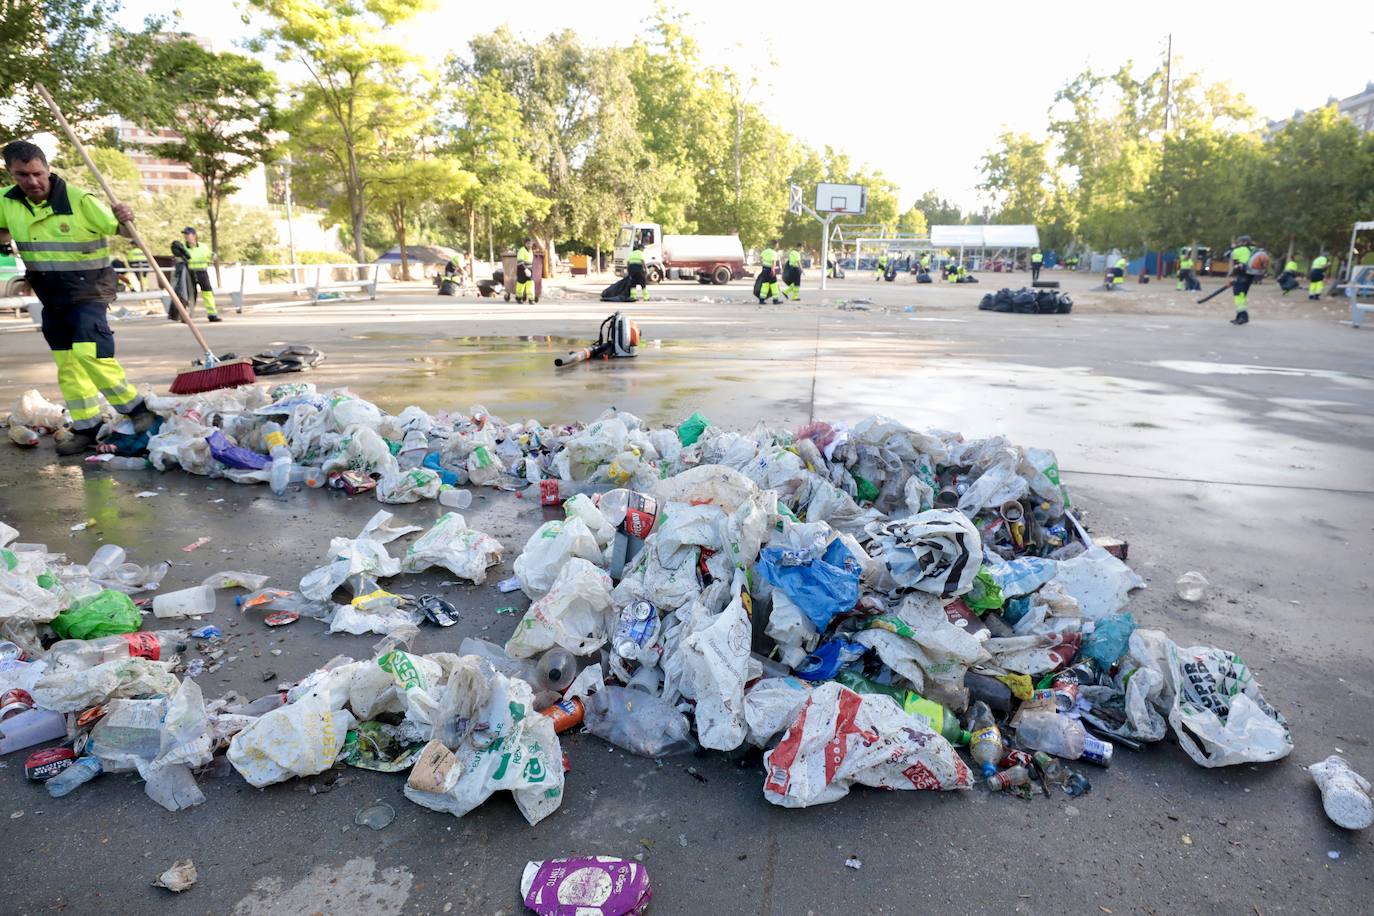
185	289
1287	281
447	287
290	358
791	275
923	277
1046	301
1064	305
986	304
1023	302
619	291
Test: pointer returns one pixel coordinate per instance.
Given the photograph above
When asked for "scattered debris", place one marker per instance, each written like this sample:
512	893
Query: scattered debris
180	877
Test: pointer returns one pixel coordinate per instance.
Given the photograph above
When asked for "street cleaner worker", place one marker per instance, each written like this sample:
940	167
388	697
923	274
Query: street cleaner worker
60	231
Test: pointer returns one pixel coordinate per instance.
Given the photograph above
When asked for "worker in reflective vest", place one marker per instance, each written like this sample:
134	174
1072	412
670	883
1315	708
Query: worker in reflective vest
1119	273
639	279
882	266
791	275
768	277
1317	277
524	277
198	257
1185	270
1037	260
60	231
1240	278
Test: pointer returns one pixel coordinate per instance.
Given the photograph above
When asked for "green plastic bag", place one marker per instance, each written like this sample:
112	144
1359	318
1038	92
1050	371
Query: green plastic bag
692	428
106	614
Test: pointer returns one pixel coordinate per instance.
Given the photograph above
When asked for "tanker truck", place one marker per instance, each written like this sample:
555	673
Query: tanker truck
705	258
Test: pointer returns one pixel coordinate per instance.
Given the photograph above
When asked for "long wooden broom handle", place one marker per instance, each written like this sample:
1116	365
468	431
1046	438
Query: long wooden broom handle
133	230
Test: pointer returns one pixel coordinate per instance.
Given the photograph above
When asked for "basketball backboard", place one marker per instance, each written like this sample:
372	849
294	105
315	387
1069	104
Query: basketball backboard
841	198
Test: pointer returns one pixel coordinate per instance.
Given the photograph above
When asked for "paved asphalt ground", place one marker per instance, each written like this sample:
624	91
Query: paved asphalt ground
1246	454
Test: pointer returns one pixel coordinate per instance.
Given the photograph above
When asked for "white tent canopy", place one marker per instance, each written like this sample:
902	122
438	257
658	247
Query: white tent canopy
984	236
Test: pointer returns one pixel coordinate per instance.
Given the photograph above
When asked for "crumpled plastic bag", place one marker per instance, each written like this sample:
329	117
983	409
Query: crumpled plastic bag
22	599
181	442
549	549
820	586
379	612
408	486
717	657
162	739
594	446
576	613
771	704
366	553
840	738
581	506
361	449
32	409
235	456
301	738
463	551
1218	713
106	613
1126	706
639	722
233	579
1098	581
920	644
938	551
997	580
514	749
1036	653
67	690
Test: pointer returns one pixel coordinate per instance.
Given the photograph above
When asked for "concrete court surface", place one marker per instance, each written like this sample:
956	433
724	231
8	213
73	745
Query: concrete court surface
1246	454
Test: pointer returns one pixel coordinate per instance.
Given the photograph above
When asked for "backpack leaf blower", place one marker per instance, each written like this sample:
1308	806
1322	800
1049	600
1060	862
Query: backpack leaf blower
618	339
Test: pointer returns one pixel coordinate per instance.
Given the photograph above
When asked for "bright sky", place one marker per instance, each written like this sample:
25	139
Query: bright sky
921	92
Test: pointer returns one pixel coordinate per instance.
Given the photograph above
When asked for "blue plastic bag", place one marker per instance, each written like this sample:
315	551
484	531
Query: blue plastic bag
235	456
820	588
1108	640
829	658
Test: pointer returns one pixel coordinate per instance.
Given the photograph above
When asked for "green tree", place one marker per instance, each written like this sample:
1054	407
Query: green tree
487	140
938	211
247	235
355	76
222	107
404	188
1318	171
91	65
1199	187
914	222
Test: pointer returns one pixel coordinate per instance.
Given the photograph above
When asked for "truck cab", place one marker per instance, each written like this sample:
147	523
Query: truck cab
650	237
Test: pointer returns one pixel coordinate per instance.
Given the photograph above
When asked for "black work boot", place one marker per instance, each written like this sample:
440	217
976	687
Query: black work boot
142	418
214	318
1242	317
80	441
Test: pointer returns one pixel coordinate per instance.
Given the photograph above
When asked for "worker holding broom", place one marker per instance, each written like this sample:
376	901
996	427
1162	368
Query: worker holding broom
60	231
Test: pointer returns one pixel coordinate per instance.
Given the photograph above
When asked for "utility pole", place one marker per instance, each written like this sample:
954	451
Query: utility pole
1168	78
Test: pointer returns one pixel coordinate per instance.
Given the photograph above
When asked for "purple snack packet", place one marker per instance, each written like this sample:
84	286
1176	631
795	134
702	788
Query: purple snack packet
235	456
586	885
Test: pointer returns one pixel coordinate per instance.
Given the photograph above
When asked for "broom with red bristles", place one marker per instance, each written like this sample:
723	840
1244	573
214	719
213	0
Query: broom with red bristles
215	374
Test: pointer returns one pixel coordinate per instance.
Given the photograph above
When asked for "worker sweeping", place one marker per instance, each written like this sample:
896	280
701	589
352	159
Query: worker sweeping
60	231
1316	278
197	256
791	274
1037	260
768	278
524	276
634	269
882	266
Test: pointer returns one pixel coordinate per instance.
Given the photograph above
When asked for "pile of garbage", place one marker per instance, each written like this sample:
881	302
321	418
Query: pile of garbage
860	604
1027	301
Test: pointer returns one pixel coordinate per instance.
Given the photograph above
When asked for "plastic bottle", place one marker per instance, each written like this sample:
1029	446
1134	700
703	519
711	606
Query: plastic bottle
928	711
414	447
83	771
555	492
154	645
990	690
310	476
1057	774
985	739
454	498
188	602
1053	734
275	440
566	714
22	436
1016	776
556	669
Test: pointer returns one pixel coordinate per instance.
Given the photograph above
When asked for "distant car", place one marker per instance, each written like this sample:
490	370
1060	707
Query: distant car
12	282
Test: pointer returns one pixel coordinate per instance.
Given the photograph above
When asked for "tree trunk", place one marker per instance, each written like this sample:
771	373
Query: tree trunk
1289	256
472	239
214	241
491	243
401	244
549	254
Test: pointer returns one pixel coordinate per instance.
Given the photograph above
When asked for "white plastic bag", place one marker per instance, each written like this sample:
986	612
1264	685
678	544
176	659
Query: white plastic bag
938	551
1098	581
771	704
576	613
408	486
594	446
514	749
33	409
298	739
1218	713
67	690
840	738
463	551
718	658
548	549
